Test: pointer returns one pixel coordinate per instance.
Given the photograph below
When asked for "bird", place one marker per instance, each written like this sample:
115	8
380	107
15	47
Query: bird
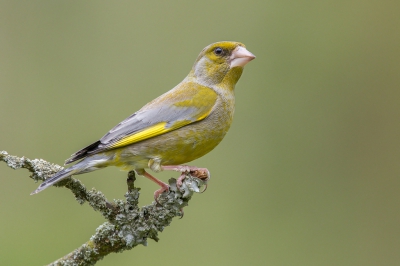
178	127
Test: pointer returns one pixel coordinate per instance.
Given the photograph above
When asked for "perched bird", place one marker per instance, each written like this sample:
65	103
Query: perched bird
179	126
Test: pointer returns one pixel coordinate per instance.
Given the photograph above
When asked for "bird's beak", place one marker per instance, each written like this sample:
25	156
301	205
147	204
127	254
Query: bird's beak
240	57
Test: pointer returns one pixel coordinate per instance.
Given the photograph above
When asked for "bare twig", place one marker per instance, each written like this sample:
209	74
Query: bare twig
127	225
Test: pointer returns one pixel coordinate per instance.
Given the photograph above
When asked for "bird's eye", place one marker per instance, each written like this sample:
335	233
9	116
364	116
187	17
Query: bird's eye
218	51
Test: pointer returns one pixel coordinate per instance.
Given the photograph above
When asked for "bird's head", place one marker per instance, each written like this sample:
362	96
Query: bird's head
221	62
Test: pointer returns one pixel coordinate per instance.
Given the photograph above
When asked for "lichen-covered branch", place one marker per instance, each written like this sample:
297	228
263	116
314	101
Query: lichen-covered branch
127	225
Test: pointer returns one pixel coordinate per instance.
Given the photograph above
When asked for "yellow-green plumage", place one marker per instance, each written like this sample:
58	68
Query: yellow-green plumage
180	126
189	142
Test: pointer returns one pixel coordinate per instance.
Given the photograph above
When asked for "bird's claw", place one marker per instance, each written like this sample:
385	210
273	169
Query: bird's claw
201	173
158	192
205	188
179	181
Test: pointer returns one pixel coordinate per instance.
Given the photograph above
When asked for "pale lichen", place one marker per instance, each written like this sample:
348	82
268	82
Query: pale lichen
127	225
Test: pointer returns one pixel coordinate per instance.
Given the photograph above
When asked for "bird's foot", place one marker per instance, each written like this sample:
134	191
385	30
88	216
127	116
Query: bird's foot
158	192
201	173
179	182
180	179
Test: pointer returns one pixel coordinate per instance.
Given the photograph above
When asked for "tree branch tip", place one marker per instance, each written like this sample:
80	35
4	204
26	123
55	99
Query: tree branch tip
127	225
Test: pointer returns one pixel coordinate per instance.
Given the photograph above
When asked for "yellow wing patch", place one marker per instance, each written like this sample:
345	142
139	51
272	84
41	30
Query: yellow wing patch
150	132
201	100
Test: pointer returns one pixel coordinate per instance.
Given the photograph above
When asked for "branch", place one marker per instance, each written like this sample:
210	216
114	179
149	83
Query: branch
127	225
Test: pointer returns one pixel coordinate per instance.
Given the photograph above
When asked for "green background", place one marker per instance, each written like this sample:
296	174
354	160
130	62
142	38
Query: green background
307	175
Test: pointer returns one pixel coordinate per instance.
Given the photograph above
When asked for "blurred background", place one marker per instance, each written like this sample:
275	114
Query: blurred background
307	175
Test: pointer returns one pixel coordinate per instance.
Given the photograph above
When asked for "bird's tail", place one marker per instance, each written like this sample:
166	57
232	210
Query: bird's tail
56	178
87	165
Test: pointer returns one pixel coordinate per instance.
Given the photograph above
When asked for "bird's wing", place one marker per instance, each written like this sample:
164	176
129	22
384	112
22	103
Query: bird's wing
185	104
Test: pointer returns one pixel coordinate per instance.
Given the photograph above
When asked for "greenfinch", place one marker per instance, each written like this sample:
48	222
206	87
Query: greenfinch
179	126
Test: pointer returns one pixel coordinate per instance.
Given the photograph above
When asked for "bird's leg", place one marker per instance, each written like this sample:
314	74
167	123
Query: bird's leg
201	173
164	187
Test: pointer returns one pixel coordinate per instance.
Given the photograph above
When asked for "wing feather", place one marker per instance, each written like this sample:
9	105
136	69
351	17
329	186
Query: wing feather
185	104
